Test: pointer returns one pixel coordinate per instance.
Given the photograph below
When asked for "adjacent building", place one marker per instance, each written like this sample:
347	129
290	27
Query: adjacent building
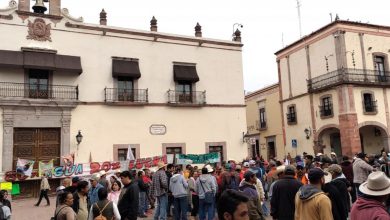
264	123
334	86
158	93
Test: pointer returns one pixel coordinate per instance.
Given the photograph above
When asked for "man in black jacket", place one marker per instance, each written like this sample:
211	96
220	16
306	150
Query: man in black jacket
80	200
339	182
129	198
283	195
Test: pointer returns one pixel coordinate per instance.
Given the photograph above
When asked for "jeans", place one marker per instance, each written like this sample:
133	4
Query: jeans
206	208
141	207
161	209
180	207
195	204
357	190
42	194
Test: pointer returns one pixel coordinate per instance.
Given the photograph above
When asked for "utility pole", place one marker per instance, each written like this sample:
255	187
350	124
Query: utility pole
299	17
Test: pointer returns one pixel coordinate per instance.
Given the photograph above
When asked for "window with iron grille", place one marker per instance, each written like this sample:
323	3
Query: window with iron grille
291	115
369	104
38	83
263	119
379	62
326	108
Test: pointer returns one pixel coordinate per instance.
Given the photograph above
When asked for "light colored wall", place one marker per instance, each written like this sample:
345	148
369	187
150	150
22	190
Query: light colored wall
252	115
317	102
371	143
318	51
1	137
193	126
299	72
378	44
284	78
352	44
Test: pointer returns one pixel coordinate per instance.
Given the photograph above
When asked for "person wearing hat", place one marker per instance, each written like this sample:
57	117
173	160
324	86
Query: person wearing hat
309	162
159	190
128	203
310	201
361	170
283	195
333	157
93	191
249	189
375	192
206	184
103	180
341	184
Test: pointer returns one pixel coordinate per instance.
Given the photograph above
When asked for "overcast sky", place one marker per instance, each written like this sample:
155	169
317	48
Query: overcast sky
264	22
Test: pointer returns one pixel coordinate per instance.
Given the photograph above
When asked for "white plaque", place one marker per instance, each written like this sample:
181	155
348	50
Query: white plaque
158	129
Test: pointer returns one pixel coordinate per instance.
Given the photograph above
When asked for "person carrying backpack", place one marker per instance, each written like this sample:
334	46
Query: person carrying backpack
104	209
5	211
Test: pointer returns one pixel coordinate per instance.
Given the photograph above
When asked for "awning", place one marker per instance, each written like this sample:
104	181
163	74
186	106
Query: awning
127	68
185	73
40	60
11	59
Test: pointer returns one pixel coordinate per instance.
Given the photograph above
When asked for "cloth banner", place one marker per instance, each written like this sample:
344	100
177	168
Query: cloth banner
6	186
198	158
46	168
130	155
15	189
24	167
148	162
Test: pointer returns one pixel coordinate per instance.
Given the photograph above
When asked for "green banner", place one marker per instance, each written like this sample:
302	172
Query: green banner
198	158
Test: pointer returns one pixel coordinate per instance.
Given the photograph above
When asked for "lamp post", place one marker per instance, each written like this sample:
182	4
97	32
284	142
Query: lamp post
239	26
307	132
79	138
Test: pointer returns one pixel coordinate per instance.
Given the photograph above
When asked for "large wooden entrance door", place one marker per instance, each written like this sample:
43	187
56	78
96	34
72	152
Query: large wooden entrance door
38	144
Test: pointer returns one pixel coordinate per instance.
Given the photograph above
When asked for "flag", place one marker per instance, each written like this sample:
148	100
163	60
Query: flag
45	168
68	159
130	155
24	167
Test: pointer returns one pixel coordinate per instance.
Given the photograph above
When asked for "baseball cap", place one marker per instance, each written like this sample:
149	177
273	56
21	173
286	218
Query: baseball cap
252	162
289	170
248	174
335	168
246	164
315	174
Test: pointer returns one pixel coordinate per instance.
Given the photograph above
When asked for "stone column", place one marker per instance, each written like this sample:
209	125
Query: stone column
24	5
55	7
8	139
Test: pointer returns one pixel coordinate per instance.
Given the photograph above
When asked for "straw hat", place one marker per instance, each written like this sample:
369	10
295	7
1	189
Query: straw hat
377	184
102	173
161	164
95	176
209	168
279	169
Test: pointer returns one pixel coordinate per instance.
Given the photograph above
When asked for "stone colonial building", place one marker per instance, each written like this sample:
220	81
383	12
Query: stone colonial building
334	89
264	123
158	93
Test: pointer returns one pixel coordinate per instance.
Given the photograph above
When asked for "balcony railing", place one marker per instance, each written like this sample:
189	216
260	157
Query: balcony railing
370	106
326	110
349	76
180	97
38	91
291	117
126	95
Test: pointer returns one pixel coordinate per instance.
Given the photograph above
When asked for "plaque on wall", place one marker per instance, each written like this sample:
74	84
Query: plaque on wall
157	129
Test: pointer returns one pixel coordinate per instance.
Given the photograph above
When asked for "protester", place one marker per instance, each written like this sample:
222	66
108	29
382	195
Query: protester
308	162
342	185
103	180
45	187
80	200
333	157
129	198
194	196
5	200
67	183
115	192
64	210
361	170
249	189
160	191
283	195
104	207
178	186
347	170
310	201
6	210
301	175
149	198
143	188
232	205
374	191
169	173
93	191
206	190
230	178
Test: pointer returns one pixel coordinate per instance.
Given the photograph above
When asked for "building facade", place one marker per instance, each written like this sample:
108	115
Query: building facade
264	123
158	93
334	89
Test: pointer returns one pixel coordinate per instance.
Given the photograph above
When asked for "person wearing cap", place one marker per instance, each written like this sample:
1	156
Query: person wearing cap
249	189
375	192
73	187
93	191
276	176
129	198
230	178
204	184
341	184
80	200
361	170
283	195
333	157
310	201
347	170
159	190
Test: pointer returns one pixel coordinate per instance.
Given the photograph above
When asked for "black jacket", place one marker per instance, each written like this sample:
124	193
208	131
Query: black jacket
339	210
283	198
128	204
76	202
143	187
342	185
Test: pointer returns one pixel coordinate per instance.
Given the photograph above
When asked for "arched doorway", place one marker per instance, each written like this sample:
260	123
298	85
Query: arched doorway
373	137
329	140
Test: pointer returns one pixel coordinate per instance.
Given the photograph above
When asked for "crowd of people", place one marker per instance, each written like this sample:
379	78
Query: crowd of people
300	188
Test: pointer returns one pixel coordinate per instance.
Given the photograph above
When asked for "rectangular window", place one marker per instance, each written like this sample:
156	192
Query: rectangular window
122	153
263	119
184	92
326	109
380	68
369	103
291	115
38	84
218	149
125	89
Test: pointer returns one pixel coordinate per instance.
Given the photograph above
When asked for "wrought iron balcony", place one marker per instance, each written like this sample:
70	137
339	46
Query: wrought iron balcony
38	91
369	106
291	117
126	95
326	110
349	76
180	97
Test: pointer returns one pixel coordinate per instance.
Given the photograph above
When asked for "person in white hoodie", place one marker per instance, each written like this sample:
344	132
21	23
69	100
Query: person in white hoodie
179	187
206	184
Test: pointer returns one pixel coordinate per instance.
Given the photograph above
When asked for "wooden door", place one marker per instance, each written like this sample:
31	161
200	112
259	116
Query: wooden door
38	144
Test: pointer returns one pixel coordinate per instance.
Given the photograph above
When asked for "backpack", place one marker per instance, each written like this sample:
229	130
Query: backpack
100	216
233	183
52	218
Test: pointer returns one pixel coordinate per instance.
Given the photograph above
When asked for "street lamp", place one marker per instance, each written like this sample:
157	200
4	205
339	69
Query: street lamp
307	132
79	137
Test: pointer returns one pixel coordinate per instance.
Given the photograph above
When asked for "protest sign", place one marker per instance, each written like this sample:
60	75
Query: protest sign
198	158
24	167
45	168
